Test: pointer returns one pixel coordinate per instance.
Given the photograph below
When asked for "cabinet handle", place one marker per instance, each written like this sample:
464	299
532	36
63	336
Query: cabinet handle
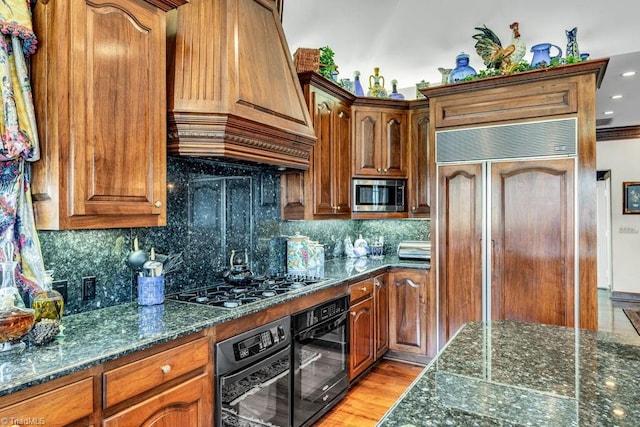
363	289
337	208
379	170
353	313
158	204
166	369
413	208
386	170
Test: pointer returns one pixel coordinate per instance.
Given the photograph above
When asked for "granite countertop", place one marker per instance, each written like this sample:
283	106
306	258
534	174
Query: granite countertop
97	336
508	373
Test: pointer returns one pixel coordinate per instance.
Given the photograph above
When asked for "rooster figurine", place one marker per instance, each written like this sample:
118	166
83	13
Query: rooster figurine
496	57
520	47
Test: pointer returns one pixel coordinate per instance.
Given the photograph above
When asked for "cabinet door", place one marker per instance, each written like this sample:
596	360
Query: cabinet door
361	348
381	300
367	151
419	192
394	145
323	157
459	247
532	229
407	311
105	134
187	404
341	151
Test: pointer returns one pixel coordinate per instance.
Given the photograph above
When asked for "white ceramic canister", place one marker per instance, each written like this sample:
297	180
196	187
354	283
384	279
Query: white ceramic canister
297	254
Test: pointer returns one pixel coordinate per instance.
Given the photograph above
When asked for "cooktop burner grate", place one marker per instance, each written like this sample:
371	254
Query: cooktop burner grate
229	296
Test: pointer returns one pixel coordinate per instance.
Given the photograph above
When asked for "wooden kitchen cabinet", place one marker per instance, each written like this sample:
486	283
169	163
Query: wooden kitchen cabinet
99	88
420	165
182	405
361	328
61	402
323	191
381	314
369	325
412	314
380	140
167	388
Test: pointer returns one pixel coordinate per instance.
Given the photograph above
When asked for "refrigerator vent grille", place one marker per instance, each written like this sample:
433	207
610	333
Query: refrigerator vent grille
520	140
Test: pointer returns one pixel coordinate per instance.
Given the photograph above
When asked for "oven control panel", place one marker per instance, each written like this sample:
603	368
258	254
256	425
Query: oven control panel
259	342
320	313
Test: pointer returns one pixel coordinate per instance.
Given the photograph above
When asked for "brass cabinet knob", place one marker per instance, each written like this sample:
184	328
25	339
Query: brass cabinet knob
379	170
158	204
363	289
413	208
353	313
386	170
166	369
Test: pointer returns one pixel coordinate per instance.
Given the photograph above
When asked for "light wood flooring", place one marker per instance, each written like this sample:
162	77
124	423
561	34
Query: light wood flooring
370	398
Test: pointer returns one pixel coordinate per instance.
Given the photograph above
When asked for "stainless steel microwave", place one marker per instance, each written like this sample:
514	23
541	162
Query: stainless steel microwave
378	195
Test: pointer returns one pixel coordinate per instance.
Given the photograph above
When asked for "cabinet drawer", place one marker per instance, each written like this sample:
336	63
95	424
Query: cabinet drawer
186	404
360	290
134	378
57	407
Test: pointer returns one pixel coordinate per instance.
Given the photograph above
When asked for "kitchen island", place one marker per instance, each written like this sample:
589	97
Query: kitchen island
508	373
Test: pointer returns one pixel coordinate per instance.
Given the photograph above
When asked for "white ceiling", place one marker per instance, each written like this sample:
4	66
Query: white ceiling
410	39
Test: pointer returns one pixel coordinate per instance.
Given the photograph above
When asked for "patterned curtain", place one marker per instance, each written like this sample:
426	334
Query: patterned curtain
19	136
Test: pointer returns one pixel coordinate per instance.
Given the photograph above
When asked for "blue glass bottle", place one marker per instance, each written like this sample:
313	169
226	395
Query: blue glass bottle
462	69
394	91
356	84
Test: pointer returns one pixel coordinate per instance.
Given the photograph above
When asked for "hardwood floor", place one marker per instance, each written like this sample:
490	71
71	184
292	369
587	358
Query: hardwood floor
371	397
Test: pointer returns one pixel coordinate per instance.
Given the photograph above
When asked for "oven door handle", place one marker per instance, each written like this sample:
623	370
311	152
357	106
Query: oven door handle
322	328
258	365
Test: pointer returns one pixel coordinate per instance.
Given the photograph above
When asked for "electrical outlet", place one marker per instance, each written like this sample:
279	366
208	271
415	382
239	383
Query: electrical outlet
61	286
628	229
88	288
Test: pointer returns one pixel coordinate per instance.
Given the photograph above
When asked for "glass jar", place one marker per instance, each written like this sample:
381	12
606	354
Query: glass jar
15	320
48	304
462	69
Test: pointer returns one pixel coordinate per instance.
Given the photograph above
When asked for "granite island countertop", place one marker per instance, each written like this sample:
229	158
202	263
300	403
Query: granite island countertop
508	373
97	336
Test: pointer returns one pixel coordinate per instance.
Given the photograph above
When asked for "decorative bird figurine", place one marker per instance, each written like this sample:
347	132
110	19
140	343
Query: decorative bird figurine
521	48
490	49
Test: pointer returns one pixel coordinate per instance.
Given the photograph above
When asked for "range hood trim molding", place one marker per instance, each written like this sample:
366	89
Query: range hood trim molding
227	136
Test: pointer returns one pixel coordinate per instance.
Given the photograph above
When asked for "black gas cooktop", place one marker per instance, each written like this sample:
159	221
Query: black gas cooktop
230	296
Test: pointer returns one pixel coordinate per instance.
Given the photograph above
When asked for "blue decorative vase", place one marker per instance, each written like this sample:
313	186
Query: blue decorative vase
462	69
394	91
357	87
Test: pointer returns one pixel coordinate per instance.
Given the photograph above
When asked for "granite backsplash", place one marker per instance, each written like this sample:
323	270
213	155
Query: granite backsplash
212	208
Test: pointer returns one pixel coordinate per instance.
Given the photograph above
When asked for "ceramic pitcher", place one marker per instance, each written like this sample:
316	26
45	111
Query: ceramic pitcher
542	54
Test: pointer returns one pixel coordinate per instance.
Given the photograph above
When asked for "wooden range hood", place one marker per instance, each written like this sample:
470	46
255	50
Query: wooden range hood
233	92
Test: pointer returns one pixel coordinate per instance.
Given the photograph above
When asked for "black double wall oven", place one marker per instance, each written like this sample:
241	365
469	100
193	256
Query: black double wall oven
286	373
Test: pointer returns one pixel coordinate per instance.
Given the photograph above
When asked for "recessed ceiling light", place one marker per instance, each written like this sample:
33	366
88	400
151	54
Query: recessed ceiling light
628	74
616	96
608	113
